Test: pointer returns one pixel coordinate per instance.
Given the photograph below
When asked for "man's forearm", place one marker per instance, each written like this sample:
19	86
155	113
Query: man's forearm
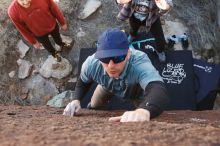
81	89
155	98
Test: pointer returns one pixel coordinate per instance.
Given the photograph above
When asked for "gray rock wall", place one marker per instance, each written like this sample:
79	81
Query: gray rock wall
218	13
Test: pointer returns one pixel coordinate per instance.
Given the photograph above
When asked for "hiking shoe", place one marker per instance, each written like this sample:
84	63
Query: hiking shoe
185	44
57	57
184	41
161	56
66	46
170	44
172	40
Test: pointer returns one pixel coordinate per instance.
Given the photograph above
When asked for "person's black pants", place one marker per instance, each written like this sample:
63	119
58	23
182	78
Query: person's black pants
44	40
156	30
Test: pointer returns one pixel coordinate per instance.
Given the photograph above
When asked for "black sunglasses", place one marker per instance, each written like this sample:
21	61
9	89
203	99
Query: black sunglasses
116	59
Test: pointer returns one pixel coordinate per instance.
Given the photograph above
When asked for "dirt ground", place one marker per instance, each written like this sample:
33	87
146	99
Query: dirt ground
31	125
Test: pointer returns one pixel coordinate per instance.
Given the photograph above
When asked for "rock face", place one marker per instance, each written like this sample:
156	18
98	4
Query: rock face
41	125
96	16
218	13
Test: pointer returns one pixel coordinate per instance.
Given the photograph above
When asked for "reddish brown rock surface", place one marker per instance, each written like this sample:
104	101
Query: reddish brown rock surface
41	126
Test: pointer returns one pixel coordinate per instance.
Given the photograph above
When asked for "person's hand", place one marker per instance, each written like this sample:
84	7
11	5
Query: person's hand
162	4
123	1
139	115
37	45
72	108
64	27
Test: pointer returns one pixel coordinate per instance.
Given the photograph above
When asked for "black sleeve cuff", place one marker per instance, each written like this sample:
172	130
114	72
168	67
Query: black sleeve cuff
155	98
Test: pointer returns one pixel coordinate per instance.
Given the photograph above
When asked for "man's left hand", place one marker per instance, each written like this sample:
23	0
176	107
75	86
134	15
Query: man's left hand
162	4
138	115
64	27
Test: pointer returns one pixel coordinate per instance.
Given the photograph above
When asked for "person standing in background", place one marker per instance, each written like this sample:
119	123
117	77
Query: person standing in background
146	13
35	20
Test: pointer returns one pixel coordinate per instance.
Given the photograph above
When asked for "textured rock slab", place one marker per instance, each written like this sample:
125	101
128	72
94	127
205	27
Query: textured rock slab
40	90
54	69
90	7
61	100
22	48
24	68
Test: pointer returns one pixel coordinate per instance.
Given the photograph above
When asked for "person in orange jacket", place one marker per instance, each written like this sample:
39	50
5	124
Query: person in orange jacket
35	20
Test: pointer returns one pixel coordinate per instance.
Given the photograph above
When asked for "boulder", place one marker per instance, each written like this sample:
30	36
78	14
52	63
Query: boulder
52	68
24	68
22	48
90	7
61	100
40	90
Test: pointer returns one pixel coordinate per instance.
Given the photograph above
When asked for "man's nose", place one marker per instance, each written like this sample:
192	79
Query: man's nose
111	64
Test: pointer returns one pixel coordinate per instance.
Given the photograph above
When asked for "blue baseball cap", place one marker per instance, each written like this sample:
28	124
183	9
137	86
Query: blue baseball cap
111	43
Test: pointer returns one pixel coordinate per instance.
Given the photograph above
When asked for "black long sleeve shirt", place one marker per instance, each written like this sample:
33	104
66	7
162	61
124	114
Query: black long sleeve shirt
155	96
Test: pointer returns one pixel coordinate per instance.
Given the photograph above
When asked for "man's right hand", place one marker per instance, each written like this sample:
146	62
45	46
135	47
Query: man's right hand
37	45
72	108
138	115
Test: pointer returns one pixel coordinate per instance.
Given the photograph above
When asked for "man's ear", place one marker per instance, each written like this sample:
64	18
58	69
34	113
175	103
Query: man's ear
128	54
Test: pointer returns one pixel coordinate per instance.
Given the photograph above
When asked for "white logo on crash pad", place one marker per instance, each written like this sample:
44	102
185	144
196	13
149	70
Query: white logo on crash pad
173	73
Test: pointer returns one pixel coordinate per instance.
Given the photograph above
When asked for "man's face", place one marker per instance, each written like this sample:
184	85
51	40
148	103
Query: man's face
24	3
115	69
